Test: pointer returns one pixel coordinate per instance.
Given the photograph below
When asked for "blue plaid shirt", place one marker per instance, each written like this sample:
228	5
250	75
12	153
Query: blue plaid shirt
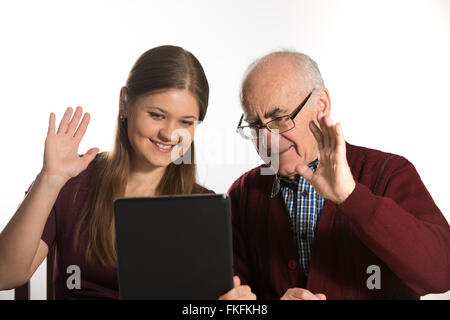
304	207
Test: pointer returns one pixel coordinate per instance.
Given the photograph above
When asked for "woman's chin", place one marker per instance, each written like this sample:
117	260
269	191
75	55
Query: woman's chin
155	161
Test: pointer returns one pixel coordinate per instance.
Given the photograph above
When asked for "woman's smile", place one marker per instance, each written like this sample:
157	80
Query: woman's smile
162	147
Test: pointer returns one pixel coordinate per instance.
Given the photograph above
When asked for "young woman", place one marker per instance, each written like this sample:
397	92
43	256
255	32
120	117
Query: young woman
70	203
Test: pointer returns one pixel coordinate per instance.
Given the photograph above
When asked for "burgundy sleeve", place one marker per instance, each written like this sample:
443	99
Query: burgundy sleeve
240	260
49	233
404	228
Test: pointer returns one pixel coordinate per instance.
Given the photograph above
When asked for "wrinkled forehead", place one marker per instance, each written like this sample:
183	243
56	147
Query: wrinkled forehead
278	83
265	99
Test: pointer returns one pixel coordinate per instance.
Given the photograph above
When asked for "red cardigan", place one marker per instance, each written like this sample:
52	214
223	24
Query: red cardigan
390	220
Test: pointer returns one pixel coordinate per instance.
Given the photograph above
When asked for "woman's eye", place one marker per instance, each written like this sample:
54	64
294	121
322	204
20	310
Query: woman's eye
156	116
187	123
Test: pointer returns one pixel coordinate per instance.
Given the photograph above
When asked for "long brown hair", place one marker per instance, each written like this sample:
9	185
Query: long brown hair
164	67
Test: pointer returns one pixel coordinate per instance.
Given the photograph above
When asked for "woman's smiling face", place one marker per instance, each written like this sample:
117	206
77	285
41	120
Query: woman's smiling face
158	122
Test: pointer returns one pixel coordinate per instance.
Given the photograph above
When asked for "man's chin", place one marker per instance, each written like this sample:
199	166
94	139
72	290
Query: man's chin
286	172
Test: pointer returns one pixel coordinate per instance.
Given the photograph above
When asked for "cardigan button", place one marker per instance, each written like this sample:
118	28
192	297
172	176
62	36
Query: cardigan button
292	264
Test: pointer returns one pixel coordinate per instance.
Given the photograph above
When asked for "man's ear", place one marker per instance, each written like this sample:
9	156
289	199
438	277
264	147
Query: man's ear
324	102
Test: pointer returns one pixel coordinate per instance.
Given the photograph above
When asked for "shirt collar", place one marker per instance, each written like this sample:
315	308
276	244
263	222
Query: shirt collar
276	187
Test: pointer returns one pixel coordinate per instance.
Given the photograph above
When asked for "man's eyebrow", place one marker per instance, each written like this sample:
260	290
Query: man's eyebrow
274	112
268	115
251	118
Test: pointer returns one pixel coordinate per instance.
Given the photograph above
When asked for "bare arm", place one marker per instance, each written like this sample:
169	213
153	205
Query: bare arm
20	239
41	253
21	247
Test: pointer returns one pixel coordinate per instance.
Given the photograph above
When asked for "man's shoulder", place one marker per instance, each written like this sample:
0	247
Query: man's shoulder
251	177
364	158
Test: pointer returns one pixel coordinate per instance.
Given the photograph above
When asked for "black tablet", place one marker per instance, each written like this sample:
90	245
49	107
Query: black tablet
174	247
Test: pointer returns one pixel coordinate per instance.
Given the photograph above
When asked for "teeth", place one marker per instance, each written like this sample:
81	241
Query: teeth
163	146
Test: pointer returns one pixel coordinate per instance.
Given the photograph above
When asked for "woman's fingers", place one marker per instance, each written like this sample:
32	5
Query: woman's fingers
75	120
89	156
62	128
68	125
51	124
82	127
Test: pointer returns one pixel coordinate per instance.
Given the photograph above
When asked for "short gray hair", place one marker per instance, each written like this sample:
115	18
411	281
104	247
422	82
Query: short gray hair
310	68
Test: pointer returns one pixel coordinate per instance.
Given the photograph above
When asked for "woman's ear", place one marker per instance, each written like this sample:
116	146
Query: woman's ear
123	101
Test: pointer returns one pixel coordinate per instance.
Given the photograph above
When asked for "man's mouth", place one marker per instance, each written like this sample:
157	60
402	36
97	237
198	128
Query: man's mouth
162	147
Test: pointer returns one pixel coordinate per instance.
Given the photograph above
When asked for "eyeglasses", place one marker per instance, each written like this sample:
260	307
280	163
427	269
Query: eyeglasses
277	125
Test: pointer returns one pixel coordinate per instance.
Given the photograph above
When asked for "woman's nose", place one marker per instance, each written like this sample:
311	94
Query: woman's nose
174	134
165	134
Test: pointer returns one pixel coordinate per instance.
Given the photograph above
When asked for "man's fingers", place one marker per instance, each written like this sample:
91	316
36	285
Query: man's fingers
236	281
331	133
249	296
304	171
321	296
304	294
300	294
307	295
243	290
317	134
340	143
238	293
339	134
324	129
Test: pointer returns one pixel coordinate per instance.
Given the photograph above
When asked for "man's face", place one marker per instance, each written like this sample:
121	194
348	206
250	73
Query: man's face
275	91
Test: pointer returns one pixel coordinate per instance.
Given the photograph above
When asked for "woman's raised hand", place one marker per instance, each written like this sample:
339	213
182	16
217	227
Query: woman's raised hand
61	158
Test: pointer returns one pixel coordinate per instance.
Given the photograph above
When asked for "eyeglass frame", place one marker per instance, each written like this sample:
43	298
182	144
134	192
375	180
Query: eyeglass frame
292	116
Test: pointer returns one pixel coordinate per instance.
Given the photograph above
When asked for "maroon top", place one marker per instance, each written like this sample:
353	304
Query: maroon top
391	222
97	282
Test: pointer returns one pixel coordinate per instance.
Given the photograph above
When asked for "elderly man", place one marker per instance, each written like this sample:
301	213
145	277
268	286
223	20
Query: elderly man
336	221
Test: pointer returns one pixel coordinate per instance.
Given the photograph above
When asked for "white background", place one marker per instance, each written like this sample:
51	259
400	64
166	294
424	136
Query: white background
386	64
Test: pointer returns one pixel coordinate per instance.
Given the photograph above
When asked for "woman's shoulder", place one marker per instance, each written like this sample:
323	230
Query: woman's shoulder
201	189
